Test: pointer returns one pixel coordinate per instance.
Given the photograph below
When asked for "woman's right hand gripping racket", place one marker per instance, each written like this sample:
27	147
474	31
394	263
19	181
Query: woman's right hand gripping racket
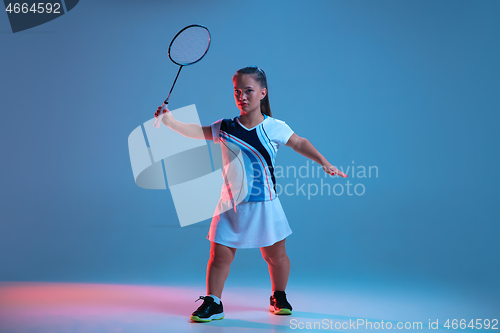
188	47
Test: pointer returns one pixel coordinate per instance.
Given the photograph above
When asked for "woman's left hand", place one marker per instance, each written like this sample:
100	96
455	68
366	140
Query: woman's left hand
331	170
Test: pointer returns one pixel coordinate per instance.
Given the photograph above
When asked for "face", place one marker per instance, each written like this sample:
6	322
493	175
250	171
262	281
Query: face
248	93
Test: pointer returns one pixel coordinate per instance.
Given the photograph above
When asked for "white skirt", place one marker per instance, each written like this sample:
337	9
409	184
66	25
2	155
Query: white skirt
249	224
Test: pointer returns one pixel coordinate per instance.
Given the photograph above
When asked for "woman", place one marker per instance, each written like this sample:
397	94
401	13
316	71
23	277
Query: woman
249	215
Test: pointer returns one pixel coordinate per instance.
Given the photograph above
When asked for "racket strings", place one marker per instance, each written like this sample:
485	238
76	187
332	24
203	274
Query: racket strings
190	45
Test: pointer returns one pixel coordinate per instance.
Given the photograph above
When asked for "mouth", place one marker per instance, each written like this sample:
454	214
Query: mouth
242	104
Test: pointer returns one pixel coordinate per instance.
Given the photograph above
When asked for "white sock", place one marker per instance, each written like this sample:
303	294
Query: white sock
216	299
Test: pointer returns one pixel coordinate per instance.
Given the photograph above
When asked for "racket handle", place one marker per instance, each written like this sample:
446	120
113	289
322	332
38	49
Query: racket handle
160	116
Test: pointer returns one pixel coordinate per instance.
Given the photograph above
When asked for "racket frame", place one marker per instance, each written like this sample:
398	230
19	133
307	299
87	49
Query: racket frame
173	39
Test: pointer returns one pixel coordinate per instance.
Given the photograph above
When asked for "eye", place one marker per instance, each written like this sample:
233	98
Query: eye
249	90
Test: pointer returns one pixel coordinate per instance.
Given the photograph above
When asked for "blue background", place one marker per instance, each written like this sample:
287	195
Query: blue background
410	87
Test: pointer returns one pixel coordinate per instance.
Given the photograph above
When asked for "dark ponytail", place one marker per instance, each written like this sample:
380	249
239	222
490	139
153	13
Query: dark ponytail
260	77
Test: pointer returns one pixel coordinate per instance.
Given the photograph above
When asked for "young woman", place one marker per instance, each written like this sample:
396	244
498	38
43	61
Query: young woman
255	219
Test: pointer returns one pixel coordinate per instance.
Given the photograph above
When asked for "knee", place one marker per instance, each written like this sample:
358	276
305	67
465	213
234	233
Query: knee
276	258
221	259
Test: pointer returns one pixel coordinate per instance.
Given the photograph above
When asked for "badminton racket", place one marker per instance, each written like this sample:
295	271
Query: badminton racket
187	47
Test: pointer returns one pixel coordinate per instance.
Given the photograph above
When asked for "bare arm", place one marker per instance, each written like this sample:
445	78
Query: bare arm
193	131
304	147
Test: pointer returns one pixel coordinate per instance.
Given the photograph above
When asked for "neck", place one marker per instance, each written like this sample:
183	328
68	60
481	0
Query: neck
251	119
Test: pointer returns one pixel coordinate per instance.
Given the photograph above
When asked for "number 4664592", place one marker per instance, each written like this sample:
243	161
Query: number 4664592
478	324
37	8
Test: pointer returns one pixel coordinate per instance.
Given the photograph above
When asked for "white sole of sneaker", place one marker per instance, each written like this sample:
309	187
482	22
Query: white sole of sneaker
277	311
217	316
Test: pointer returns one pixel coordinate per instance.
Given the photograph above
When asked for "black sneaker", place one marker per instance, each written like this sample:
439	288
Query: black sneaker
279	304
208	311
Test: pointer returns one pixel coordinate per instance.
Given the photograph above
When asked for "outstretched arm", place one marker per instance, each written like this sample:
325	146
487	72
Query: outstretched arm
304	147
193	131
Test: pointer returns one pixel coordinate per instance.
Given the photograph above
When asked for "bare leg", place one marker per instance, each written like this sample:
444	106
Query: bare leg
278	263
221	257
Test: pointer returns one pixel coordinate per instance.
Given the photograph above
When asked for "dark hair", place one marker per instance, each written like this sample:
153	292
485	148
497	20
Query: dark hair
260	77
